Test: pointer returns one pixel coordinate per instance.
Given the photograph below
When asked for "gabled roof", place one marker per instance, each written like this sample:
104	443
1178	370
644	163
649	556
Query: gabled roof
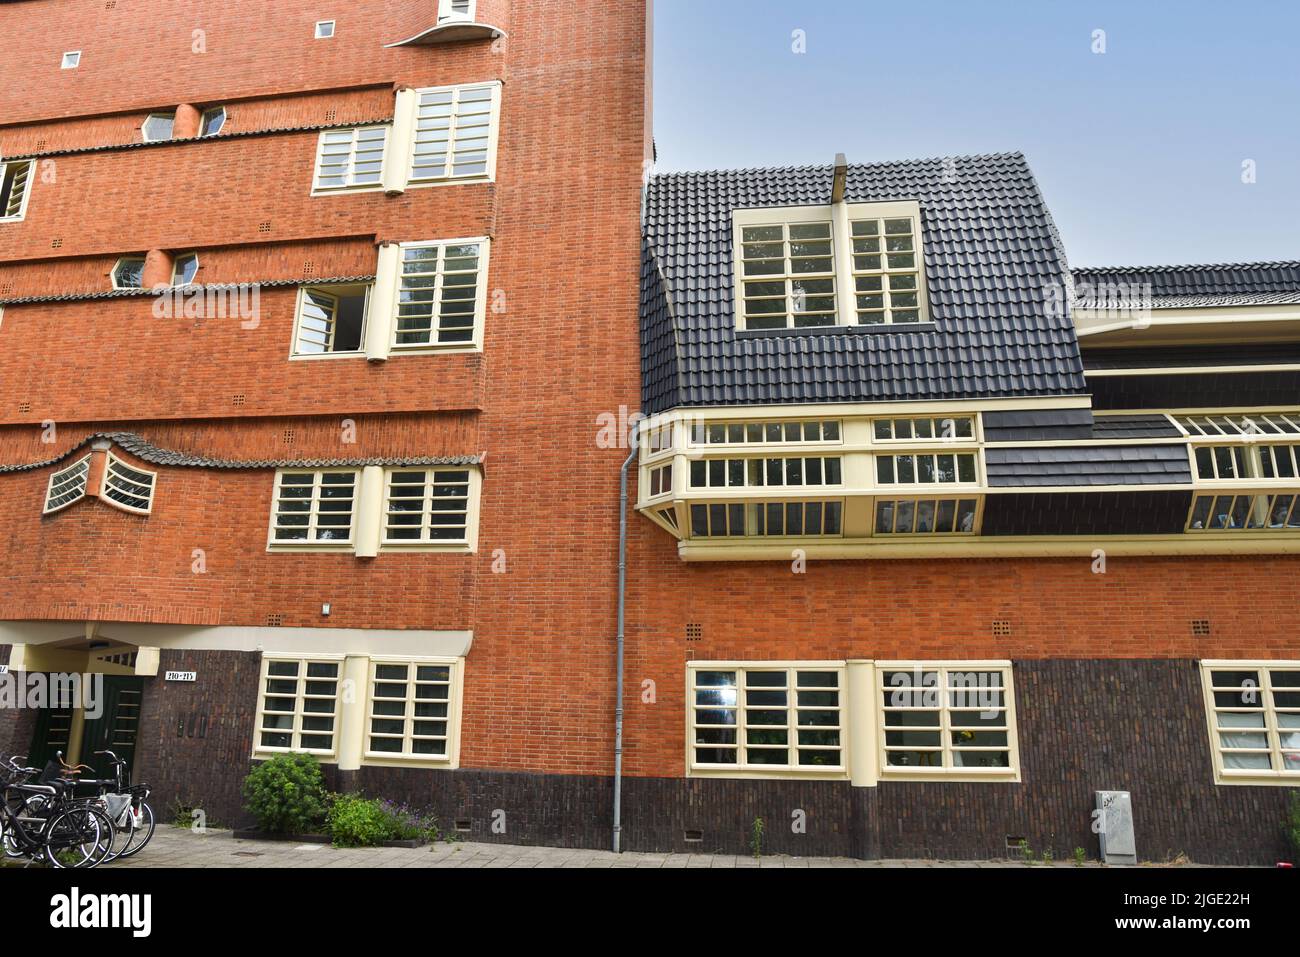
995	272
1195	286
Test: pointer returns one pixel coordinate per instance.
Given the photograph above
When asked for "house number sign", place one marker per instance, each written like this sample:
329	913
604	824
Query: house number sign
181	676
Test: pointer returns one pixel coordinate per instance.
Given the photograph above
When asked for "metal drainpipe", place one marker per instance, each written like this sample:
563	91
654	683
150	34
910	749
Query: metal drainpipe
622	602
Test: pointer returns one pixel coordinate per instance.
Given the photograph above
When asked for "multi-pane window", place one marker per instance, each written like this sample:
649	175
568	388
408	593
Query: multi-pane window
787	276
1254	713
796	518
426	505
1263	511
951	719
759	473
920	516
748	433
410	711
454	133
313	507
128	273
298	707
944	428
128	488
765	718
1242	424
440	294
350	158
717	521
661	480
926	468
669	517
330	320
1251	461
658	439
67	485
15	179
886	270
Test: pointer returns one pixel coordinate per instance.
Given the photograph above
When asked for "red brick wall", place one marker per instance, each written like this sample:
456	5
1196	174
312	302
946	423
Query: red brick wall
564	218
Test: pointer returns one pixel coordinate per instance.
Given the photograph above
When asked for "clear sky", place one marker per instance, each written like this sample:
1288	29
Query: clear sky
1139	150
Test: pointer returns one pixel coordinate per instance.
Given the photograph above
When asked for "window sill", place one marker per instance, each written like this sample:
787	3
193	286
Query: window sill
878	330
964	777
752	774
1275	779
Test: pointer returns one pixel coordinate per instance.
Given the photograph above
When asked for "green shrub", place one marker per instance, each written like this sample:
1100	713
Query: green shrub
286	794
355	821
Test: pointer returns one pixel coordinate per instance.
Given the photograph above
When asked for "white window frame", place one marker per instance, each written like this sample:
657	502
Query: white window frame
1276	775
82	466
494	133
26	189
741	769
699	433
203	121
948	771
71	60
321	26
176	265
448	15
350	185
936	424
407	757
472	499
310	543
300	696
845	275
122	260
171	132
916	454
328	290
475	342
113	479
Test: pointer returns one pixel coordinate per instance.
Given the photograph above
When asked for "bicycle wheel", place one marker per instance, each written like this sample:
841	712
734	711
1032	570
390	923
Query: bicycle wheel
143	833
78	837
123	831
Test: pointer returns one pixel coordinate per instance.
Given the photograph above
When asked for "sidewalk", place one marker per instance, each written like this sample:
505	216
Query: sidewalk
174	847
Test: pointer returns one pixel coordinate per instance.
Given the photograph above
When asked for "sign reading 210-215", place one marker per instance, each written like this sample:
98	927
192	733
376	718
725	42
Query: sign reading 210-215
181	676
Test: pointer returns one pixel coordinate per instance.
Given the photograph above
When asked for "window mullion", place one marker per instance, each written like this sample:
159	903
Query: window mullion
792	718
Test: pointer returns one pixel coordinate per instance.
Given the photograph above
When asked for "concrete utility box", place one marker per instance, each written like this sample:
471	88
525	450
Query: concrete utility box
1114	825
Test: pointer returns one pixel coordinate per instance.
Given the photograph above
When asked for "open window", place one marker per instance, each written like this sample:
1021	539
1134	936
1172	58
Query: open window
331	320
184	269
67	486
15	184
127	488
212	121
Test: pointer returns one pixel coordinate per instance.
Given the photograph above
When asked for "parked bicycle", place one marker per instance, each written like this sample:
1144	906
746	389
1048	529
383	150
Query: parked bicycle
44	820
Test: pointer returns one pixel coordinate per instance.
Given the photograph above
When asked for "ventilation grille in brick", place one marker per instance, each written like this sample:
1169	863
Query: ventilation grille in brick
40	145
6	289
308	268
263	227
692	836
288	436
56	243
1200	626
331	115
694	631
237	399
1001	628
24	407
274	621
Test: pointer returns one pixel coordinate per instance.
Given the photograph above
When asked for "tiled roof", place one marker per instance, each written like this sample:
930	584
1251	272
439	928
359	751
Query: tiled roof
1152	426
1079	465
993	264
137	293
148	452
1173	357
1197	286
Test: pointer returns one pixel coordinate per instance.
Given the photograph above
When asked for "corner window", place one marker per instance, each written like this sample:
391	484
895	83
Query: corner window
661	480
331	320
313	508
15	183
455	133
127	488
67	486
411	710
427	506
71	60
184	269
324	29
946	720
297	709
1254	720
129	273
212	121
760	718
351	158
158	127
441	295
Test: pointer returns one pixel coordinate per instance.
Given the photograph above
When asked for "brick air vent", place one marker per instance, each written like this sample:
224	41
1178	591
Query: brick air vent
1001	628
691	836
237	399
6	289
308	268
331	115
1200	626
274	621
464	826
56	243
24	407
110	5
288	436
40	145
694	631
263	227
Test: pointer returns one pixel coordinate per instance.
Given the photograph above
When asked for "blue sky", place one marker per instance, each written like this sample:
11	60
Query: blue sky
1138	150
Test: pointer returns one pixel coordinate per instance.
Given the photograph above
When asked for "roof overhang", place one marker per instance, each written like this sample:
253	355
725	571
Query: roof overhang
1231	325
455	31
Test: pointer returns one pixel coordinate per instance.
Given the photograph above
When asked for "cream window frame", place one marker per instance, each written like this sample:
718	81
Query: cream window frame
1276	775
698	436
749	516
74	476
16	211
947	771
932	441
1258	511
448	14
123	260
300	696
742	770
405	758
311	544
881	212
447	178
468	544
350	185
1197	426
321	26
335	292
115	481
909	494
475	342
171	129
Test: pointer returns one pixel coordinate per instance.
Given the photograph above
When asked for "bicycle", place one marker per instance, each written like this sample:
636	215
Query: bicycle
134	808
42	820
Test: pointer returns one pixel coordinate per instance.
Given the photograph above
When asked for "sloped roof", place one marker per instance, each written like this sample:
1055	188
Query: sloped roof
994	268
1192	286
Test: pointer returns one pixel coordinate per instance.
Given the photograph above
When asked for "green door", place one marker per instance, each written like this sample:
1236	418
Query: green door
117	727
53	726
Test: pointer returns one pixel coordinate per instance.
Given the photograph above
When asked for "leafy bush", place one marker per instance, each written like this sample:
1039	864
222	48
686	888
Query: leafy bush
355	821
286	794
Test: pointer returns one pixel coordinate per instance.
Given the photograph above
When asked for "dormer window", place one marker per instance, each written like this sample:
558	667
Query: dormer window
852	265
455	10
